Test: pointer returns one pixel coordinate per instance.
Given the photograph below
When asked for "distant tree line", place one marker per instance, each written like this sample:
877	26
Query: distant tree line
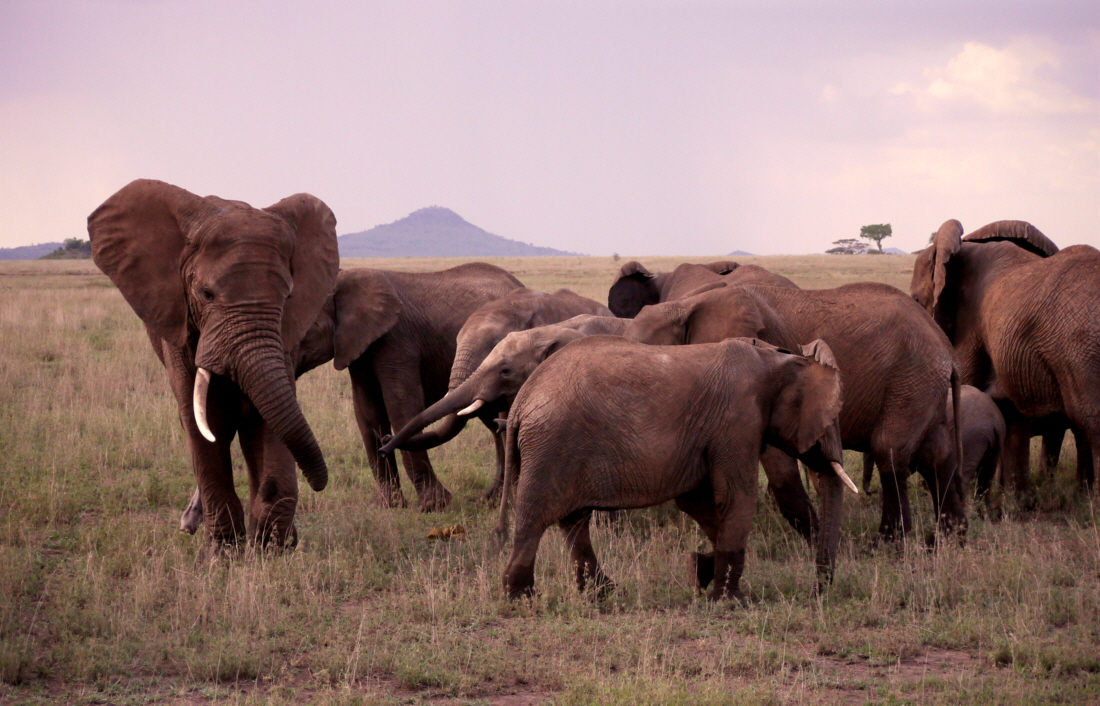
73	249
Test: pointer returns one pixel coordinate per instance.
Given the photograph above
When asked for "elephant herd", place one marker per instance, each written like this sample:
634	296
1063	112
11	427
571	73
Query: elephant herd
678	390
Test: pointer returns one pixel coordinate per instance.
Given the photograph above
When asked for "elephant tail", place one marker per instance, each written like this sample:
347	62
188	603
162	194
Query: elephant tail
956	407
511	473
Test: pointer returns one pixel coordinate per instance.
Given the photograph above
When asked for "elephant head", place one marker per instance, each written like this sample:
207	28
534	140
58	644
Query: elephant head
496	381
806	411
937	272
715	312
233	288
637	287
520	310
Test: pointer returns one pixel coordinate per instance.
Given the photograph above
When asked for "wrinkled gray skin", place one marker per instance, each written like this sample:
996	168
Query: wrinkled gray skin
227	292
608	423
637	287
395	333
983	434
520	310
1024	319
897	368
500	376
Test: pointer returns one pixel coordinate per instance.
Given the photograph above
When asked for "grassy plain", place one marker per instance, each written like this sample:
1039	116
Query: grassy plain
102	600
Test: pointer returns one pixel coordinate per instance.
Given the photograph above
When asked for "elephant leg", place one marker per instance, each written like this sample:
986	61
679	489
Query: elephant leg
191	519
211	461
1016	461
404	398
370	416
1051	450
986	472
785	485
893	473
735	502
936	462
868	472
698	504
587	567
519	574
493	493
273	485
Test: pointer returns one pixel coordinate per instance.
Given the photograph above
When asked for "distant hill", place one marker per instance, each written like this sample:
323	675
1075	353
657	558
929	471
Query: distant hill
435	232
29	252
735	253
894	251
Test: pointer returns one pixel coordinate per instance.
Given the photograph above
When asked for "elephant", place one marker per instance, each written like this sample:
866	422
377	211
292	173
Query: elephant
520	310
983	434
608	423
1024	320
395	333
897	367
637	287
498	378
227	292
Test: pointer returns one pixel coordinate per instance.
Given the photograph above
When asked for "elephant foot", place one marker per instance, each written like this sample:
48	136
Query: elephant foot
728	594
492	495
390	496
192	517
594	579
270	540
520	583
700	570
434	499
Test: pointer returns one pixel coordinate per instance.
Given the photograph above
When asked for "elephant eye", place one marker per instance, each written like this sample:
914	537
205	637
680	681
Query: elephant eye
505	372
206	294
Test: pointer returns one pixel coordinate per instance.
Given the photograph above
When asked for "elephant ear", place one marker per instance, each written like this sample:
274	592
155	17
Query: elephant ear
635	288
367	306
930	276
138	236
716	312
313	266
722	267
811	402
1020	233
561	338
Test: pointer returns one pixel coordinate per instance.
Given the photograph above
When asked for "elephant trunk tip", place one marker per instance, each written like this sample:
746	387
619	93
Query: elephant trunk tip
316	476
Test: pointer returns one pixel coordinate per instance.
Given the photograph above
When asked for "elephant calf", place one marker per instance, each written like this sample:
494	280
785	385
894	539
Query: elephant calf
607	423
983	434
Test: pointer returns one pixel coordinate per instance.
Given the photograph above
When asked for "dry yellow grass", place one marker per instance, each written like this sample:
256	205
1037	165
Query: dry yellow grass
103	601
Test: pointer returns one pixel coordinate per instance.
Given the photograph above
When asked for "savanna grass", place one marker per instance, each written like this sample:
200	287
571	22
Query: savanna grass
102	600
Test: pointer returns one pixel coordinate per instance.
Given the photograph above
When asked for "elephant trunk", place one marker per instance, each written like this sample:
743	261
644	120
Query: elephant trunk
465	363
261	371
408	438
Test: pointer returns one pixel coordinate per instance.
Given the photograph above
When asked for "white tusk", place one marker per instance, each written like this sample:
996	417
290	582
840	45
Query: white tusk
844	477
202	384
478	404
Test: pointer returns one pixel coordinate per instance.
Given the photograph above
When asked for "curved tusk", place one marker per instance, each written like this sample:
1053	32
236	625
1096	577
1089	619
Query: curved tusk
478	404
202	384
844	477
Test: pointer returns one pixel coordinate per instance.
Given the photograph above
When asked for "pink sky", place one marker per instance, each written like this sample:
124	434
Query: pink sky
680	128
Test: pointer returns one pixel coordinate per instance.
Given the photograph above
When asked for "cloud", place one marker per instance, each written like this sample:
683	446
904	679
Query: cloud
1010	81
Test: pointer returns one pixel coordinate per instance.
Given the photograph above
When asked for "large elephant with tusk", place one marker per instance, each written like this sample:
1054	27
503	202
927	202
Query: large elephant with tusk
227	292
